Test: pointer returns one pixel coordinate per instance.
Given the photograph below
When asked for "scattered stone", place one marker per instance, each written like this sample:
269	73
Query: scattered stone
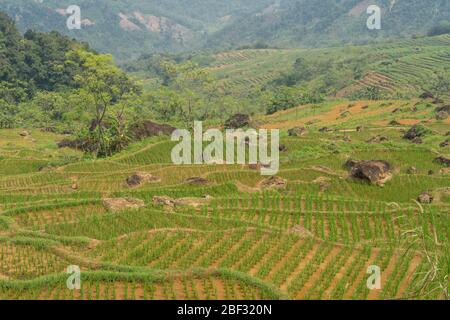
426	95
273	182
364	107
442	115
86	144
190	201
396	110
444	171
377	139
24	133
375	171
258	166
323	182
74	186
141	177
417	140
297	132
325	129
164	200
443	160
416	131
411	170
48	129
282	148
146	128
237	121
444	144
120	204
197	181
359	129
425	198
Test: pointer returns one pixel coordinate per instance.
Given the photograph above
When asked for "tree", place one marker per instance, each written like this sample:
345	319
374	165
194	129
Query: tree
440	86
106	85
187	92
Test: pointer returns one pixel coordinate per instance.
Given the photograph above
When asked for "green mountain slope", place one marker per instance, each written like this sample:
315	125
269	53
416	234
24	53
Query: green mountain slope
395	69
129	28
330	22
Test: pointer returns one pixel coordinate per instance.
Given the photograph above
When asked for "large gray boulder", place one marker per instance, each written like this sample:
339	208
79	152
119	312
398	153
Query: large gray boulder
374	171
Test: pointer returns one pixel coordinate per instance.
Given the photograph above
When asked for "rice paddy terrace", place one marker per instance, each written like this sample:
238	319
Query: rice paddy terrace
228	238
400	68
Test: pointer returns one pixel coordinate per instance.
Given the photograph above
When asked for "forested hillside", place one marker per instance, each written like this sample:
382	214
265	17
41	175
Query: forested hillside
129	28
52	82
331	22
35	61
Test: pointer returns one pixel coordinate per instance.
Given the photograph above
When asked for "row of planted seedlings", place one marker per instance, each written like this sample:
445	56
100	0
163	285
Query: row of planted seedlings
55	212
103	285
329	219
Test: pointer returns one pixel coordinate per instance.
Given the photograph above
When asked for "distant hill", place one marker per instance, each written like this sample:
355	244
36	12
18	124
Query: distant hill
330	22
392	69
128	28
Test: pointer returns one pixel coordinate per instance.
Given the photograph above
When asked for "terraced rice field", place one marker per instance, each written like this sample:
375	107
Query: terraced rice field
399	69
302	242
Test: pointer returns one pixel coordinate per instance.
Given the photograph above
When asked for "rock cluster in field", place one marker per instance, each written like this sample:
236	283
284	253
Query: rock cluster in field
425	198
189	201
375	171
443	160
120	204
273	183
297	132
140	178
147	128
377	139
196	181
237	121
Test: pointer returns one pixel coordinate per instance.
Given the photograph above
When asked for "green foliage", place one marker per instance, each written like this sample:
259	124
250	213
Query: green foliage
440	86
34	62
370	93
284	98
442	28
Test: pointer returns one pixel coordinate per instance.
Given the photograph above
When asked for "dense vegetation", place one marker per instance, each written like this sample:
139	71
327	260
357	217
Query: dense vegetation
53	82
